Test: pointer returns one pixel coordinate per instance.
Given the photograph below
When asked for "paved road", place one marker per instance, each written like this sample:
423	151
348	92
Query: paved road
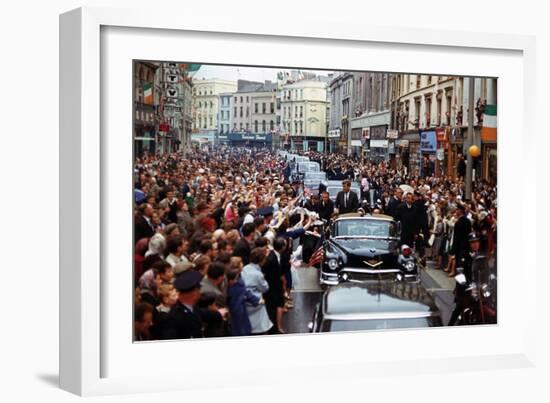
307	293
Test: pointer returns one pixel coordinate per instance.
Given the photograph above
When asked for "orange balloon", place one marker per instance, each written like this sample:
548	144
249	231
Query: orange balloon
474	151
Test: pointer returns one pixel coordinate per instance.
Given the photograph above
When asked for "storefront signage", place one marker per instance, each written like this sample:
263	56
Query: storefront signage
440	154
356	143
428	142
365	133
163	127
392	134
379	144
334	133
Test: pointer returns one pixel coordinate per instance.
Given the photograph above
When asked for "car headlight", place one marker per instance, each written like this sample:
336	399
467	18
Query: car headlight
333	264
410	266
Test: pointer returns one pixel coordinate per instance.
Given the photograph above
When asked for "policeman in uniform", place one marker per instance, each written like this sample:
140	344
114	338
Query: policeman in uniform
184	320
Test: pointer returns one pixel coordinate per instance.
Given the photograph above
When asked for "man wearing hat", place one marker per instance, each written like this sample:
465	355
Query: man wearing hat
185	320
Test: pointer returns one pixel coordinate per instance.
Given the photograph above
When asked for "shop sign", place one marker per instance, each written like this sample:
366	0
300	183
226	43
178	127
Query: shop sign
440	154
356	143
365	133
428	142
379	143
392	134
334	133
163	127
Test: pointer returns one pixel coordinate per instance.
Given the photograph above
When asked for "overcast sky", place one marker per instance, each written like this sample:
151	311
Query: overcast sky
234	73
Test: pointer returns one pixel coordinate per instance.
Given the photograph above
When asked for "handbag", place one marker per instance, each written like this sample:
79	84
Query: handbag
431	240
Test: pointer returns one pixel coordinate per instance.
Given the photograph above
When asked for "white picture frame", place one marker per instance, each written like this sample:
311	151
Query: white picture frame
84	186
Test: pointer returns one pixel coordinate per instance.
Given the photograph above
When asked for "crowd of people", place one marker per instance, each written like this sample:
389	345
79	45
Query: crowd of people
217	231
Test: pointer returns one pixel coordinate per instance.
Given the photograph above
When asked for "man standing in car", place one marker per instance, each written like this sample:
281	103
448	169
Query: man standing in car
346	200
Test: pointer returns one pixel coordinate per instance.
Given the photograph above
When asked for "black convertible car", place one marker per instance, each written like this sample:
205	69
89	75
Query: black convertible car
375	305
359	248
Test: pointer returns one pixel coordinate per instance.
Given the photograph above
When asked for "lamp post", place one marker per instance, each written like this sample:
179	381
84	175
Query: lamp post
470	140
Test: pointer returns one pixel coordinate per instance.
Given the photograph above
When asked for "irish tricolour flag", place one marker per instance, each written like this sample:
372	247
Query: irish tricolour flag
489	129
148	93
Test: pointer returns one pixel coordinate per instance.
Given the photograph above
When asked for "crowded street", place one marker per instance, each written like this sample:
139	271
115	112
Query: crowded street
273	201
223	239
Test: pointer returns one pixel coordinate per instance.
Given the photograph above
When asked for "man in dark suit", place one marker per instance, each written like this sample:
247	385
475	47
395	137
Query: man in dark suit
143	225
408	216
274	297
462	230
242	247
326	206
346	200
395	201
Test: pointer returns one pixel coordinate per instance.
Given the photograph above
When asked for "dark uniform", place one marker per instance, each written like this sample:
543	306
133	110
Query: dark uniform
182	323
187	322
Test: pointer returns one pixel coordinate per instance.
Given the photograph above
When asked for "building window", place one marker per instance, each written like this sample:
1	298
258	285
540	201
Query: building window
211	104
301	94
295	127
241	127
200	104
296	111
263	126
247	111
301	111
418	80
255	107
272	107
241	99
271	125
247	127
255	126
246	99
241	112
263	107
301	127
235	111
429	79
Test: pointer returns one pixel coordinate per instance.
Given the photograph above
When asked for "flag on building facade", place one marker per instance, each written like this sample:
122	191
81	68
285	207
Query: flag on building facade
148	93
489	129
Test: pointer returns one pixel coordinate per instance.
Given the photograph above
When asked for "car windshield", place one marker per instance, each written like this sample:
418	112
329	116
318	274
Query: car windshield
365	227
378	324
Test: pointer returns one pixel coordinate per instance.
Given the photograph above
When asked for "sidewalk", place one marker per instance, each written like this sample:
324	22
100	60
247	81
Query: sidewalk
439	277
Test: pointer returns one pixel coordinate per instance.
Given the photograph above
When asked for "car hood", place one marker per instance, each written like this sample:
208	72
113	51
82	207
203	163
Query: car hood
364	247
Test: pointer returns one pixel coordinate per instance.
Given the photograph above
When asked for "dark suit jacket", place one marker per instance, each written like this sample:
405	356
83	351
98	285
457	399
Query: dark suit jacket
272	273
142	229
352	205
462	229
326	210
242	249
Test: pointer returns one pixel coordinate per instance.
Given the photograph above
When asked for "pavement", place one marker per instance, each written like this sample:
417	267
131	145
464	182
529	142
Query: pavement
307	293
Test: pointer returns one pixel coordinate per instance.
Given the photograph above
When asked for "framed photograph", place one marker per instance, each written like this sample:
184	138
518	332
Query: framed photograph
198	162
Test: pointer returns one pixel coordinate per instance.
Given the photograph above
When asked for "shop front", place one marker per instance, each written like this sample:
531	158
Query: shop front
250	140
378	146
144	140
